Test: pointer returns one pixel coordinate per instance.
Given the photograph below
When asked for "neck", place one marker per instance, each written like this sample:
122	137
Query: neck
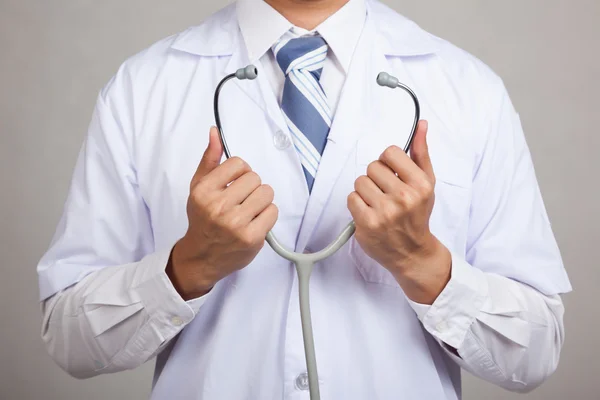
307	14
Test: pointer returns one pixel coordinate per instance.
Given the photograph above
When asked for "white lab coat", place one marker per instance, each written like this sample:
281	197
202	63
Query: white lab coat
128	203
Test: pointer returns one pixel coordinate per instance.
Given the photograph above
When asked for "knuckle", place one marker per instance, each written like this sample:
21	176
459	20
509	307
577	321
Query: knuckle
372	168
214	214
238	163
405	198
268	192
243	237
390	152
234	221
198	197
355	202
248	238
411	199
372	223
254	178
427	189
351	199
360	181
217	210
195	197
389	211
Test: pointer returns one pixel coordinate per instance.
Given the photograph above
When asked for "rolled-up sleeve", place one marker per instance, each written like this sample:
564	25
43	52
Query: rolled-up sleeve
107	303
496	328
501	317
116	318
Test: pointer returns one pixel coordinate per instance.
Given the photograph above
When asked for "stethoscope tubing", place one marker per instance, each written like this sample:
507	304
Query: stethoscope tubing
305	262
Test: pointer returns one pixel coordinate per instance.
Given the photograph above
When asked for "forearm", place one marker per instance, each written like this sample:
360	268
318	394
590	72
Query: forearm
115	319
496	328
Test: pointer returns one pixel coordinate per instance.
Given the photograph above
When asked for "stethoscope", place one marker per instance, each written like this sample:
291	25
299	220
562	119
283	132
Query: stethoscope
305	262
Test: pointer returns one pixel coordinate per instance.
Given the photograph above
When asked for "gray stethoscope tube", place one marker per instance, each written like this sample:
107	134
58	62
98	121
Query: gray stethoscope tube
305	262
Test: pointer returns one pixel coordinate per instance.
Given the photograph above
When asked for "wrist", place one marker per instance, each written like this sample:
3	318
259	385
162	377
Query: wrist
427	275
188	275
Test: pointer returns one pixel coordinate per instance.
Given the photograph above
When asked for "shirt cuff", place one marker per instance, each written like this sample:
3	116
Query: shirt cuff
162	302
451	315
419	309
196	303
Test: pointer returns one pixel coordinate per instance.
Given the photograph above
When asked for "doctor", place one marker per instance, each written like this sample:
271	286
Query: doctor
160	250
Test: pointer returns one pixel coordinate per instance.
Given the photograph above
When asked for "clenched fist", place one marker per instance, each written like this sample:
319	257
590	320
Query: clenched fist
391	207
230	213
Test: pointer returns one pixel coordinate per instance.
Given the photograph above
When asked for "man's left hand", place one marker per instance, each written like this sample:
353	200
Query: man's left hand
391	207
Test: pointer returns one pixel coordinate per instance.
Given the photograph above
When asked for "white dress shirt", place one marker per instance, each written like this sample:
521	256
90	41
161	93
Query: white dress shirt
103	315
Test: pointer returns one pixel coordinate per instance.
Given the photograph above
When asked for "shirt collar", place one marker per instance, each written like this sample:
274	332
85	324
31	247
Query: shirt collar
262	26
342	30
217	36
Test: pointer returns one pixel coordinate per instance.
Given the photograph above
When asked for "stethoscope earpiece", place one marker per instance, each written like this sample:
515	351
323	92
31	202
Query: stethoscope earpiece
385	79
249	72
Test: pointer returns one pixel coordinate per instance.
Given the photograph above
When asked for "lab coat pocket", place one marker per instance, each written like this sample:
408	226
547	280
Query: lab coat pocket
450	213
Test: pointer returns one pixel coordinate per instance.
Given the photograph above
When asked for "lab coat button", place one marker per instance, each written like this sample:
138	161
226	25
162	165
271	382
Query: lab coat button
302	381
281	140
176	321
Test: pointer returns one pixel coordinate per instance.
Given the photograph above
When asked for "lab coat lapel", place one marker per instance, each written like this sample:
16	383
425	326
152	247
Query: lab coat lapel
251	119
259	90
239	59
365	111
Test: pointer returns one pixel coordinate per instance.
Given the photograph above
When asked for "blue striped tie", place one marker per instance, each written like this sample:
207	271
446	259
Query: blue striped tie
304	103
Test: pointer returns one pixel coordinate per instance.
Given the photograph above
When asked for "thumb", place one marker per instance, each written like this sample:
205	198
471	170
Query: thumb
212	155
419	150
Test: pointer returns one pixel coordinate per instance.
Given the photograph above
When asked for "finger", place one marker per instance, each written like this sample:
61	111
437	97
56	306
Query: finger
265	221
226	173
357	207
419	150
406	169
384	177
256	203
212	155
242	187
368	190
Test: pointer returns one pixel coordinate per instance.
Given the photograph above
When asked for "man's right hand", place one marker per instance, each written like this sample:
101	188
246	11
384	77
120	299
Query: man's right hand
229	213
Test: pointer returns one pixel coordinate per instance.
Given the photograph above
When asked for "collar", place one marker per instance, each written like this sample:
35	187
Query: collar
342	30
398	35
262	26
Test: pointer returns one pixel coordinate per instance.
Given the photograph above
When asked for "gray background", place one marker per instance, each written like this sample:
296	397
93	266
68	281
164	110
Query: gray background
56	55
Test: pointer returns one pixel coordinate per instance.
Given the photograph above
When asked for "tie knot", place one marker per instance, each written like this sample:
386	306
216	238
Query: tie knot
303	53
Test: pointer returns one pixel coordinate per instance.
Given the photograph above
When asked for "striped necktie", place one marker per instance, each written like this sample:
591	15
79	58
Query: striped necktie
304	103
